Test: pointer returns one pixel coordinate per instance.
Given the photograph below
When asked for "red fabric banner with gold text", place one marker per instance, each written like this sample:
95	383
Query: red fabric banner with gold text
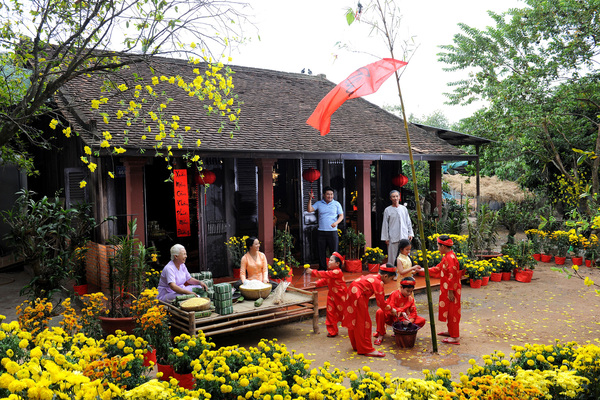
182	205
363	81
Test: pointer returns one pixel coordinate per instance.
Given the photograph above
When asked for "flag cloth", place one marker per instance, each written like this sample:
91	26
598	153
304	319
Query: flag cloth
363	81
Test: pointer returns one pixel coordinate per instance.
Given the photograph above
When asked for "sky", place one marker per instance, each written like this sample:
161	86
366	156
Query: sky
304	34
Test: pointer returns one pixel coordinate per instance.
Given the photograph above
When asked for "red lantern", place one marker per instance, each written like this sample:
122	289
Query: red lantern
399	180
205	177
311	175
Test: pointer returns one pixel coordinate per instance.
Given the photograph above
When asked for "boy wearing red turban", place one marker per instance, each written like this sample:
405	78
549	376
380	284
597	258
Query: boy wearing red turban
402	301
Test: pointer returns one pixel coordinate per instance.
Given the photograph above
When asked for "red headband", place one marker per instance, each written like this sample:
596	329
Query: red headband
338	255
407	282
448	242
384	267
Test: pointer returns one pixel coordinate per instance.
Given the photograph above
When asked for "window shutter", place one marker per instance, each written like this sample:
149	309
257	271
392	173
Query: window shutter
73	193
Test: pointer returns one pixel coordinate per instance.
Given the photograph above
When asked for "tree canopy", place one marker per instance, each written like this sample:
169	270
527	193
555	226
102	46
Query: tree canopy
536	69
45	44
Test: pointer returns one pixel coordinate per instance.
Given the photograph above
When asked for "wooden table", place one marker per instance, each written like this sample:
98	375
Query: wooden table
297	304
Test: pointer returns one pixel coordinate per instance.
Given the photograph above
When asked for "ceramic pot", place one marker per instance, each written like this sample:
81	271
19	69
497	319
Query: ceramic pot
150	356
111	325
475	283
496	276
560	260
546	258
577	260
353	265
80	289
506	276
374	268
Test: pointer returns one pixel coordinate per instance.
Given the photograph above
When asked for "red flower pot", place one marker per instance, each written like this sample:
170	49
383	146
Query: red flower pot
506	276
524	276
353	265
485	280
111	325
80	289
537	257
150	356
577	260
185	380
588	263
373	268
166	370
546	258
496	276
475	283
560	260
280	280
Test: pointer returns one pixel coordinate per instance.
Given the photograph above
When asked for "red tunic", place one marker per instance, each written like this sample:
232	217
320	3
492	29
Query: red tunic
336	296
356	316
448	270
402	304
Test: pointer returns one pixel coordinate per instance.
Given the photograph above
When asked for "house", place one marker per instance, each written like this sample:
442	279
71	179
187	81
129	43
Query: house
258	172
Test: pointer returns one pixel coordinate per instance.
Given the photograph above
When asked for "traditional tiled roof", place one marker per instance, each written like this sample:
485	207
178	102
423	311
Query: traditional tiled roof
273	118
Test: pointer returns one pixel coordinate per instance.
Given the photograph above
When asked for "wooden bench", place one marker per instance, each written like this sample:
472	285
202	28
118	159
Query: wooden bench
297	304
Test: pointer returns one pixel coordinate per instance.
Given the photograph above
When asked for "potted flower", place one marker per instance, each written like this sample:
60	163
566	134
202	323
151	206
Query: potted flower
547	245
373	257
475	271
592	250
535	238
504	265
283	244
522	253
79	272
279	271
152	324
128	265
562	243
577	242
236	247
351	244
186	350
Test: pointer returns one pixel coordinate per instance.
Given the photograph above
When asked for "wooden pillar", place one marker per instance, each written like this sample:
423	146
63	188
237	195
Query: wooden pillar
134	187
364	199
435	185
265	205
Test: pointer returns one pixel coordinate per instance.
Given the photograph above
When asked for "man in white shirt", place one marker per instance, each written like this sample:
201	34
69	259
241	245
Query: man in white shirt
396	226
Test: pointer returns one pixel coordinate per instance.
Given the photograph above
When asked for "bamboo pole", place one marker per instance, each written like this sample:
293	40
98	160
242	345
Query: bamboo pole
415	188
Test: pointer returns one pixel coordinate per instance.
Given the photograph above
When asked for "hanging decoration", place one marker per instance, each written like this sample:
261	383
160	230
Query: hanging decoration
205	177
399	180
311	175
182	207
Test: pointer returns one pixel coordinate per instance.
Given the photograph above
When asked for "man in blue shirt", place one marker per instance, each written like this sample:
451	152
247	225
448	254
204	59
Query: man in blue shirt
330	214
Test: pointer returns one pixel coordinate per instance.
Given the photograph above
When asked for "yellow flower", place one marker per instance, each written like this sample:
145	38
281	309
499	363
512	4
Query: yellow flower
82	184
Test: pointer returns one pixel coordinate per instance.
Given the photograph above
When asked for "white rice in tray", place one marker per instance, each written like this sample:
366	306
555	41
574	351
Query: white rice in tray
255	284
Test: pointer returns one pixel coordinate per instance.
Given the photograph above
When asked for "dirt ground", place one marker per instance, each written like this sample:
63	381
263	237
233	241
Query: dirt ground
494	317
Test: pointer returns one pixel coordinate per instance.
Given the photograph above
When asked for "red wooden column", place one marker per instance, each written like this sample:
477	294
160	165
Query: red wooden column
265	205
134	184
364	199
435	184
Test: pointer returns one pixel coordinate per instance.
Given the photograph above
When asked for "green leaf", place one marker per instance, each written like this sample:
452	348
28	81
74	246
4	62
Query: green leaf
350	16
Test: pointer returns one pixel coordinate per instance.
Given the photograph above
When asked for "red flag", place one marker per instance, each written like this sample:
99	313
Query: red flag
363	81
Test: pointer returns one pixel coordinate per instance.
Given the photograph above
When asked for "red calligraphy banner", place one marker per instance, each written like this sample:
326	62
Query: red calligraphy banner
182	205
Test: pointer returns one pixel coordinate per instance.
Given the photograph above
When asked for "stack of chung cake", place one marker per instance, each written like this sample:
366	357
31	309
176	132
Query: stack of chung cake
206	277
223	298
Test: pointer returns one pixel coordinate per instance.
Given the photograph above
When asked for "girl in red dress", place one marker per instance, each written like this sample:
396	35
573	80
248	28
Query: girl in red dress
333	278
448	270
356	312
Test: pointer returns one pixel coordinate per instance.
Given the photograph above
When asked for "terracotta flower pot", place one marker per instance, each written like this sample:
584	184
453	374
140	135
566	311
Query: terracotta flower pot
560	260
546	258
475	283
506	276
496	276
485	280
577	260
537	257
353	265
374	268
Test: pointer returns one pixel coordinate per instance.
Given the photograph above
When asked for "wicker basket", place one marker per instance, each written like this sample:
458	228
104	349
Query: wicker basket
253	294
194	307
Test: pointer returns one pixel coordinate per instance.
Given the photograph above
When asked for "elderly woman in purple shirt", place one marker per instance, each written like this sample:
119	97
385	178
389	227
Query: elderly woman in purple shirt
175	279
